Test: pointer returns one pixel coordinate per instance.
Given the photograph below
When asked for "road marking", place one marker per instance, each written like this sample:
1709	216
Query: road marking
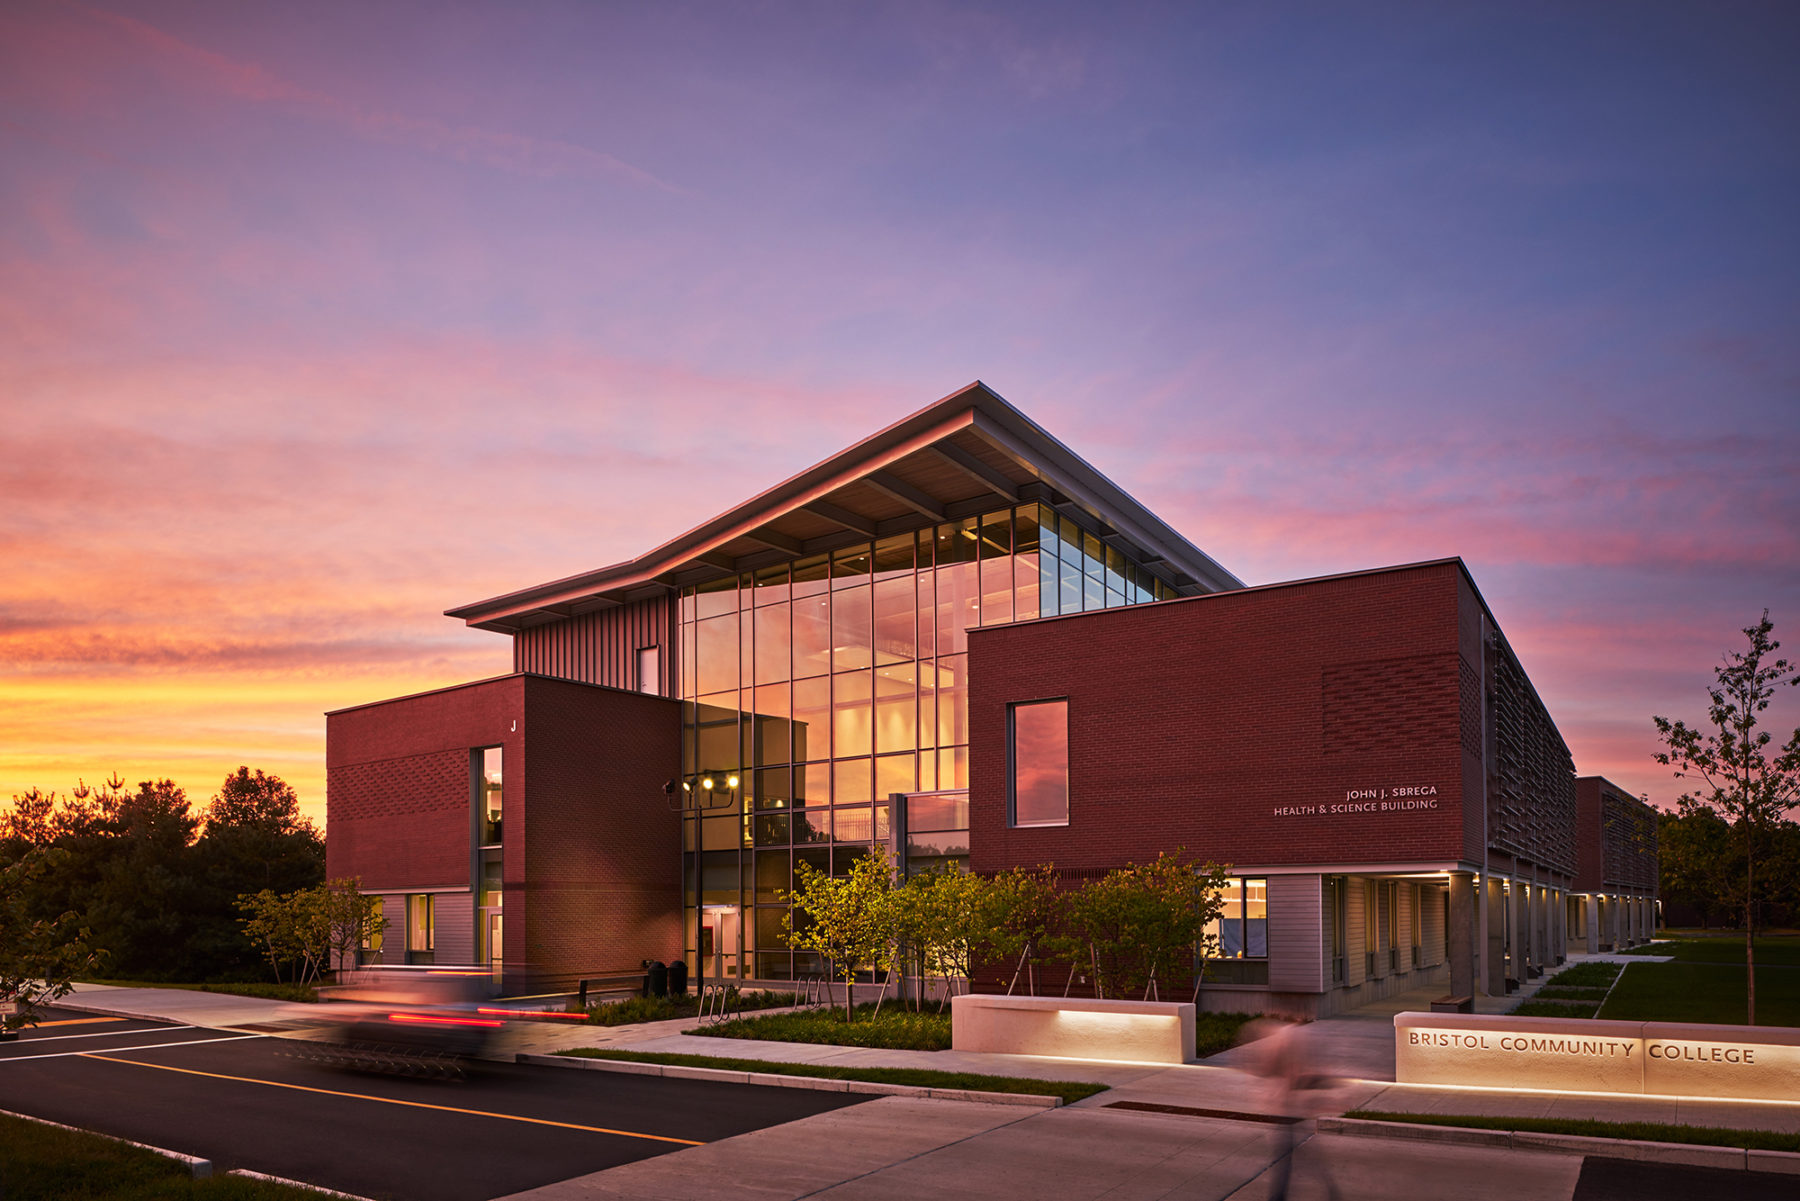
111	1033
146	1047
74	1022
328	1092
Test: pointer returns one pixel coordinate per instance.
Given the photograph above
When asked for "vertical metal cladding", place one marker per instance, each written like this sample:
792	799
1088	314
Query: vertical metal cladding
602	647
1531	798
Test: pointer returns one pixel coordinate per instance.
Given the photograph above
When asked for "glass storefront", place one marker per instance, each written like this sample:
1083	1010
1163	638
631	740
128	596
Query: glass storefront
827	685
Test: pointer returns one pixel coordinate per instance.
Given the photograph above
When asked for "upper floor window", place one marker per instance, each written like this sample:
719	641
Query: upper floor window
490	797
1038	762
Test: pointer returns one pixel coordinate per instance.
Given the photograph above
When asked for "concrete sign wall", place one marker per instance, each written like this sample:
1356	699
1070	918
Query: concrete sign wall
1573	1055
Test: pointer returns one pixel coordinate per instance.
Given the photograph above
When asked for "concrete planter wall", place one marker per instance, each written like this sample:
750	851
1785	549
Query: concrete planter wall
1122	1031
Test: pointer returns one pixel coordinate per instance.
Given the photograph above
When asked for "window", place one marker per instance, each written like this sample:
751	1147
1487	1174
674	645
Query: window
489	795
649	669
421	927
1240	934
371	941
1039	762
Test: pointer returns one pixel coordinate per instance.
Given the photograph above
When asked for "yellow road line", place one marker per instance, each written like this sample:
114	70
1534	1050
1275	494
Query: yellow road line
480	1113
74	1022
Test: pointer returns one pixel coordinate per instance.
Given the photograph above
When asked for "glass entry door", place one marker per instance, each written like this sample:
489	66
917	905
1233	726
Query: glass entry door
494	948
720	938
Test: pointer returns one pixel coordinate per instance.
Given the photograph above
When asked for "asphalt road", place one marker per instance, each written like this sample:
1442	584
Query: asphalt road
234	1099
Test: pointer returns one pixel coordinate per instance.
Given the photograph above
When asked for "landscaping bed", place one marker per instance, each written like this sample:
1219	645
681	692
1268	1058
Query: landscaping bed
634	1010
1654	1132
46	1163
894	1028
1574	992
1069	1090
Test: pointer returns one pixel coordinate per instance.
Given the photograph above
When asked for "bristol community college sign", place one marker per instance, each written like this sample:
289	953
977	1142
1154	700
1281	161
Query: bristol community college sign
1571	1055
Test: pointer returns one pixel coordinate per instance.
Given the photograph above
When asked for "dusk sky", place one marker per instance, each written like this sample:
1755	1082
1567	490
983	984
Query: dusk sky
318	319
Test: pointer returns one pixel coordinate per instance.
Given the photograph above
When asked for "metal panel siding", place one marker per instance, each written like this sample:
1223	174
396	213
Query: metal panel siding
602	647
393	939
1296	932
1355	937
455	939
1431	927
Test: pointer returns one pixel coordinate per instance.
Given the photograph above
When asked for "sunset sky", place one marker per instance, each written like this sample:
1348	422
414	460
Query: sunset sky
318	319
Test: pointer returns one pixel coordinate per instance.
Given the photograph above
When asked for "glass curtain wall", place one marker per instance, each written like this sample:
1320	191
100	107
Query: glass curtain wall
828	684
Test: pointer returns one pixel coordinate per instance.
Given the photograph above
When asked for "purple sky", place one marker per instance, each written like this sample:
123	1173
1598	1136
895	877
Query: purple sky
319	319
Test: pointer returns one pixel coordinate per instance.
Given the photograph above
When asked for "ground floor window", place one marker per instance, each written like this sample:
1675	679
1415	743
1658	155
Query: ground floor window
421	927
1240	934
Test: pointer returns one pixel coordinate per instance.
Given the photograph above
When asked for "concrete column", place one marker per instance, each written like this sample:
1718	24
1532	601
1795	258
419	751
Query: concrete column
1540	927
1464	932
1593	922
1495	907
1520	930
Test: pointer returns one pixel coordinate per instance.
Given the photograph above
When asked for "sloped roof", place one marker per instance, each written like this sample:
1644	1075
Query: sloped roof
969	453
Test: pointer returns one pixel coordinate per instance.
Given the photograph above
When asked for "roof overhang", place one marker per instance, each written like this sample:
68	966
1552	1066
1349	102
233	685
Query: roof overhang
969	453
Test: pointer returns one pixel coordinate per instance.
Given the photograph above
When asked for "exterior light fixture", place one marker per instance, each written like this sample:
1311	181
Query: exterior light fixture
731	781
706	782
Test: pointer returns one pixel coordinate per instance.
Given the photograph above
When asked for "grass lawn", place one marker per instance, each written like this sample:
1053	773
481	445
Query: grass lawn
894	1028
1068	1090
1574	992
1653	1132
1705	991
43	1163
272	992
1772	950
662	1009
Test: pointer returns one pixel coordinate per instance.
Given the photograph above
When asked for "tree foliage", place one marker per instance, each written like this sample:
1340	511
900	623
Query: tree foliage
308	931
39	956
1730	760
1136	928
157	883
847	920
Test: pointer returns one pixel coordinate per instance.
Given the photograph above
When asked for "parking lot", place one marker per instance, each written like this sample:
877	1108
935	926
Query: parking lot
234	1098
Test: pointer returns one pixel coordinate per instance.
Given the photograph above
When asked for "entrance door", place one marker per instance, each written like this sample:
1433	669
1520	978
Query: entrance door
720	935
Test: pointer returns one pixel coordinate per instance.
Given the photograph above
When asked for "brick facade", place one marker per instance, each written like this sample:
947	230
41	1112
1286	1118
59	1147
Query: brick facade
1196	723
591	854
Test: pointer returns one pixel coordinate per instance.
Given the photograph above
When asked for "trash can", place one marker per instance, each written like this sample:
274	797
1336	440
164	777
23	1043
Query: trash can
678	978
656	979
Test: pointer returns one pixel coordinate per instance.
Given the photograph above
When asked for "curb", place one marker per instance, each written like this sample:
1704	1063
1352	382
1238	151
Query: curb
199	1168
1700	1154
778	1080
300	1184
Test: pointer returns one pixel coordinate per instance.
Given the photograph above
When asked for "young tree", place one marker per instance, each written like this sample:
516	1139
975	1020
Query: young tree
848	920
1743	781
1145	922
350	919
1024	909
39	957
944	916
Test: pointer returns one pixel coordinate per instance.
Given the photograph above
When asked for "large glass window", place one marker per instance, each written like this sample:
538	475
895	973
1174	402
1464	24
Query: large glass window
489	805
1039	763
838	680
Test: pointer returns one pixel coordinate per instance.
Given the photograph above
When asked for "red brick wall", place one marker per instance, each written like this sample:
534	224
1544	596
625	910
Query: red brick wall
397	792
1191	721
598	873
592	856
